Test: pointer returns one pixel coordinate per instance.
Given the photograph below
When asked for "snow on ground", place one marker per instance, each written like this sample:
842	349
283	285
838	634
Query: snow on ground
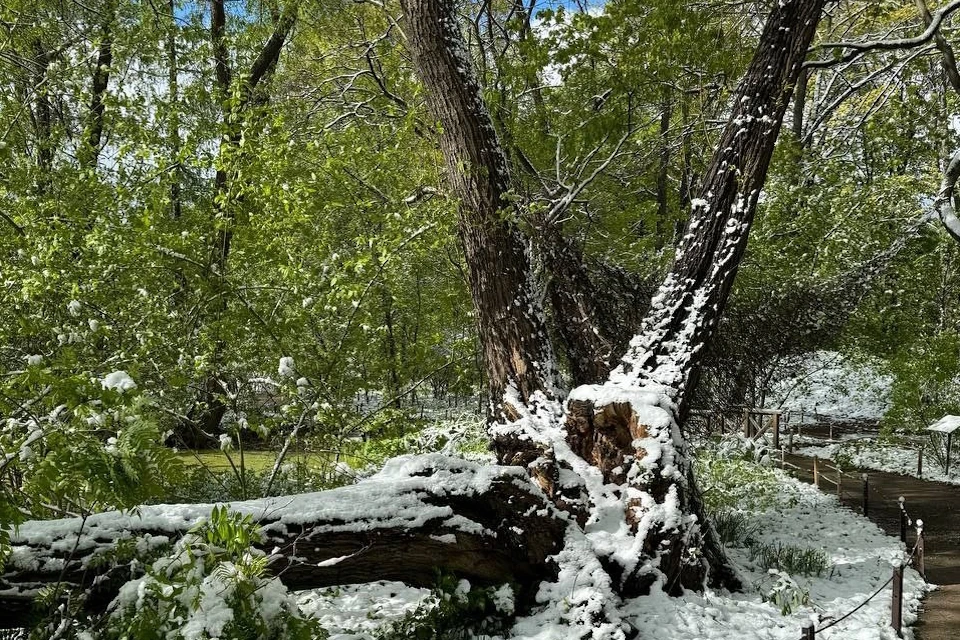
357	612
828	383
869	454
860	561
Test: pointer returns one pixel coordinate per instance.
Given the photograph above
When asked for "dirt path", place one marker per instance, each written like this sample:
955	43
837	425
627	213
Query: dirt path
938	505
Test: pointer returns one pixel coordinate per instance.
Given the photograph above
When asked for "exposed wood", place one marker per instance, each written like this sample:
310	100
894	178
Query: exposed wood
489	526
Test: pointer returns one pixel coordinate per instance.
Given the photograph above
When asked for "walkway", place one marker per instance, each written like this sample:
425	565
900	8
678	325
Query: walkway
938	505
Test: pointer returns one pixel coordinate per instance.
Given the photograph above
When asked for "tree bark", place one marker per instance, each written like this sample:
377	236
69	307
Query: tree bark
488	525
517	354
89	151
692	298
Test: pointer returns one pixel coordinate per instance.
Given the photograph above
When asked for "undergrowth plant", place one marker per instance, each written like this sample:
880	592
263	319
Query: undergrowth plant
213	585
783	591
795	560
455	611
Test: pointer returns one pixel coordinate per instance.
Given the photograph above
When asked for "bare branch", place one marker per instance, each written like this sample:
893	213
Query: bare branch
857	49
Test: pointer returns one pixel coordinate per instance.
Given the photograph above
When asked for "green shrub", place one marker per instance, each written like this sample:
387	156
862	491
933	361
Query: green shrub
213	585
735	528
791	559
735	483
453	611
783	591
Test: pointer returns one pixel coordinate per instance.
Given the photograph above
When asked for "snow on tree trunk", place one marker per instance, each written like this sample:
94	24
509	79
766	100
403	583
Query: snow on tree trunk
616	460
611	425
485	523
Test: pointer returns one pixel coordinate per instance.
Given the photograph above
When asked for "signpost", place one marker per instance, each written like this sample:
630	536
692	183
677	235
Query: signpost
946	425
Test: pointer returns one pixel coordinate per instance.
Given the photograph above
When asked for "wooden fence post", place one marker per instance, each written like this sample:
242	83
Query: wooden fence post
919	564
746	424
896	607
839	481
866	495
783	459
809	631
816	472
776	430
903	521
790	438
831	432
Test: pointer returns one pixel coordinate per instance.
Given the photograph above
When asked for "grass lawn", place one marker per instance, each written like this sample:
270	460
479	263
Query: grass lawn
253	460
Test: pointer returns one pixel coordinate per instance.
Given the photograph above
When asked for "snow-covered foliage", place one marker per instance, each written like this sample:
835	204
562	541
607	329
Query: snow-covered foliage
828	383
212	585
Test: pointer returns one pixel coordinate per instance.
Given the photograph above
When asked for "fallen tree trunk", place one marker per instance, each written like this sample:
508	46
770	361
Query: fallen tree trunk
488	524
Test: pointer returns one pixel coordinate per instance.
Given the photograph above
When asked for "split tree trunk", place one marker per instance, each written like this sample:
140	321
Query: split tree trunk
628	424
605	423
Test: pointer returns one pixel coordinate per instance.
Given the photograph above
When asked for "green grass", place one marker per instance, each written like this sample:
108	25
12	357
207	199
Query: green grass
259	461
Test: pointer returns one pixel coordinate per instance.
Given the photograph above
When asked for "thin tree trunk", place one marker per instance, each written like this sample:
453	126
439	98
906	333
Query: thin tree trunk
90	145
800	103
208	409
663	172
173	134
43	118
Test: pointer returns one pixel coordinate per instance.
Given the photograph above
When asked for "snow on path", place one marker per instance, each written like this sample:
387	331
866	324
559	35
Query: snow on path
861	558
891	459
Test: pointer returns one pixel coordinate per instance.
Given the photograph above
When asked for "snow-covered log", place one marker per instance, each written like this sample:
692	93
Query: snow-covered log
488	524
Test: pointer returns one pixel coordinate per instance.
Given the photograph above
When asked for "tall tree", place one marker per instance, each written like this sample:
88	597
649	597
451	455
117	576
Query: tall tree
608	424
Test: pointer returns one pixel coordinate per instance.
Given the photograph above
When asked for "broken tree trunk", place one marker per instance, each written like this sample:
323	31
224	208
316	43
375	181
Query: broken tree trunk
688	306
422	514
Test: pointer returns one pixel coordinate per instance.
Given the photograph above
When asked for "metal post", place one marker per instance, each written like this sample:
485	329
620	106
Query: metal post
866	495
919	564
839	481
790	439
920	462
896	607
903	522
809	631
816	472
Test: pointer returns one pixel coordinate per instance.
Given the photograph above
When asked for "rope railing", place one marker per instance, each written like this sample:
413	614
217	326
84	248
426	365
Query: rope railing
810	631
914	557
